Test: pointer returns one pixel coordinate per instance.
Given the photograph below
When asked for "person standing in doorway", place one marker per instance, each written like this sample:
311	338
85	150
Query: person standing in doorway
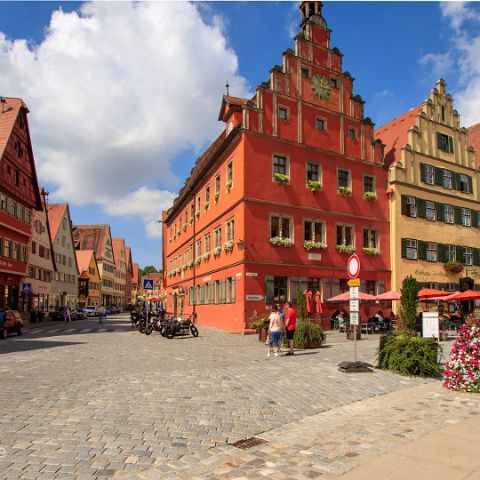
101	313
290	324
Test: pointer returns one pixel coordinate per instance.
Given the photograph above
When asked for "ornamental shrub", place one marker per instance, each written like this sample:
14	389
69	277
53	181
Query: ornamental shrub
308	335
301	306
462	370
408	355
409	300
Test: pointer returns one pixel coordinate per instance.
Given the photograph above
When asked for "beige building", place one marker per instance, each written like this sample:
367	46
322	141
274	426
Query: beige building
89	279
434	196
120	284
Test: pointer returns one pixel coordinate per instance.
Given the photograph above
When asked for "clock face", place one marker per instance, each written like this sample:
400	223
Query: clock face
320	86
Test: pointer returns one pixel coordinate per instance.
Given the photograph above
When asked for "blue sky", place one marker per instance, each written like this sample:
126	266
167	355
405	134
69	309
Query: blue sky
107	65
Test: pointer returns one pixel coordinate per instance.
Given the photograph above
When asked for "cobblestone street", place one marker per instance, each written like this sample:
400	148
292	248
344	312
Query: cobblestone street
85	400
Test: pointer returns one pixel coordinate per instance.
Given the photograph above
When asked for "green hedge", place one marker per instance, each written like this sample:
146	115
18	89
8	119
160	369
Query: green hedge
408	355
308	335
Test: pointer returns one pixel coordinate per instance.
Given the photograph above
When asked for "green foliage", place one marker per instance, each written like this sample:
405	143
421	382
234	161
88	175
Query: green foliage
409	300
408	355
345	249
344	190
281	242
371	251
260	322
453	267
309	244
369	195
148	269
308	335
281	178
314	185
301	305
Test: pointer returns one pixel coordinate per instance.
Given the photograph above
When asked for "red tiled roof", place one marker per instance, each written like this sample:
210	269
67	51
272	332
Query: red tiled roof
118	244
233	101
55	211
135	274
92	237
473	136
9	110
236	100
83	259
394	134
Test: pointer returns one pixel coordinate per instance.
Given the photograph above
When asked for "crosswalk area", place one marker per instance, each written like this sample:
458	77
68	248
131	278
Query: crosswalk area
69	331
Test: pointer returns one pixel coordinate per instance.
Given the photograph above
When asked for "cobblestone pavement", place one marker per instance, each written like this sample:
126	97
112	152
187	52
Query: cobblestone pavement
101	401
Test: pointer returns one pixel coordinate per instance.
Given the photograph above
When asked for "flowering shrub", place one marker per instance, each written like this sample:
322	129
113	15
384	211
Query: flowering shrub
281	242
228	246
309	244
462	370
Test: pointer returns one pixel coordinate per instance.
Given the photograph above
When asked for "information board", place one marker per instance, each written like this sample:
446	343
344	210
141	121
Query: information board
430	325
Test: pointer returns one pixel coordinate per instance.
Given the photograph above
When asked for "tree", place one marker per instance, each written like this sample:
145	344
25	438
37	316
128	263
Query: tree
301	305
408	306
148	269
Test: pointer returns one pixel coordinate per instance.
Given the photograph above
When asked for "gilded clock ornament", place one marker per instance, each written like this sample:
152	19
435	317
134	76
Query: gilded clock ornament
320	86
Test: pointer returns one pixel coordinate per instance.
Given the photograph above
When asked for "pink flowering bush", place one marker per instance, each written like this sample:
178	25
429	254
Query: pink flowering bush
462	370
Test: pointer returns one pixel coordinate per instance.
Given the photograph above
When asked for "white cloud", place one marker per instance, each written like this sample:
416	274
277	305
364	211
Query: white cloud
458	13
116	91
438	64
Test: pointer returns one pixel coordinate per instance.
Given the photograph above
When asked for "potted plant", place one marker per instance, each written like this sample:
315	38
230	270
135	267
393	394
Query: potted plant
261	326
314	185
344	191
281	242
453	267
228	186
308	335
281	178
370	195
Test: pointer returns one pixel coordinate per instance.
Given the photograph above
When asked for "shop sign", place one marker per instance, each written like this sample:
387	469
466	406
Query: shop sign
251	274
315	256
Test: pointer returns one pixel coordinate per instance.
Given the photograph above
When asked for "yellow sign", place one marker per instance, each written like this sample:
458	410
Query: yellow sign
354	282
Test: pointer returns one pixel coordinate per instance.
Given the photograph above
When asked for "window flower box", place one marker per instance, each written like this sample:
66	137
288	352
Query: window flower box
228	246
309	244
185	226
197	214
228	186
216	251
190	264
370	195
281	242
206	205
345	249
344	191
453	267
371	251
281	178
217	196
206	256
198	260
314	185
191	220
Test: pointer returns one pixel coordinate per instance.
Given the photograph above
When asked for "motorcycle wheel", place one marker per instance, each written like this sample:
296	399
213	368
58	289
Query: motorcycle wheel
194	330
163	331
169	334
142	327
149	329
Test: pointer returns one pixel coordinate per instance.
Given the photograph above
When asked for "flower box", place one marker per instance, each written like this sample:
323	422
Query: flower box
228	246
206	205
206	256
310	244
345	191
371	251
185	226
228	186
217	196
369	195
314	185
198	260
216	251
281	178
281	242
345	249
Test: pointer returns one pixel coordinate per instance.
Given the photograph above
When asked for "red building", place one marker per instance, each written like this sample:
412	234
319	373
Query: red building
277	203
19	195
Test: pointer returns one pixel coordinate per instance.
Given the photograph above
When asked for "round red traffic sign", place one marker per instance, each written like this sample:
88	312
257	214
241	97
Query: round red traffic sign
353	266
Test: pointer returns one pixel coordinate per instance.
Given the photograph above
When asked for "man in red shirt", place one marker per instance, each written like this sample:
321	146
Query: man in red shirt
290	324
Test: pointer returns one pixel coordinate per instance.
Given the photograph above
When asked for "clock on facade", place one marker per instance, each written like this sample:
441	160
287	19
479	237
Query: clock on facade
320	86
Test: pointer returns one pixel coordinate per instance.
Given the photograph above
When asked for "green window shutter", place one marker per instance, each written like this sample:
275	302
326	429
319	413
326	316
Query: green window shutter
404	204
421	208
269	294
422	250
422	172
439	176
440	207
459	254
476	256
450	144
456	180
458	215
404	248
474	216
470	184
441	252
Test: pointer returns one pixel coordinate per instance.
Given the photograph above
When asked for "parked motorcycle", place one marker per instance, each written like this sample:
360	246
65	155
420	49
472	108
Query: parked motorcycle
178	326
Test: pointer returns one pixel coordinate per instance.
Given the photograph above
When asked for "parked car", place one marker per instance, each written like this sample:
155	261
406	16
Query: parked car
91	311
60	314
81	314
111	310
10	322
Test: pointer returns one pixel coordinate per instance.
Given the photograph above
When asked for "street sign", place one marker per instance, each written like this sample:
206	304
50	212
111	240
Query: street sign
353	305
353	293
353	266
254	298
353	318
147	284
27	287
354	282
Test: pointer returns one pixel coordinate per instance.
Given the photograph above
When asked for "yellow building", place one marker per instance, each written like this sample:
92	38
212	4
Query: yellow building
89	279
434	196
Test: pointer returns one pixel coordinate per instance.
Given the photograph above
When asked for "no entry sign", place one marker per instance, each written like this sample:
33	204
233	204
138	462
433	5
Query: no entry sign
353	266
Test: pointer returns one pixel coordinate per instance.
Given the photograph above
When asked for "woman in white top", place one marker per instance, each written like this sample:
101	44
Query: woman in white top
274	331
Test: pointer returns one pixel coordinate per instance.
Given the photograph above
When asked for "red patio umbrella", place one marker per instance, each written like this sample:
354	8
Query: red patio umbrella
318	304
390	295
345	297
308	297
445	298
464	296
430	293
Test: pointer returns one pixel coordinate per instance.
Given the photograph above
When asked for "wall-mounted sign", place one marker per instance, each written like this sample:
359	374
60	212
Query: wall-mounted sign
353	305
251	274
314	256
206	279
253	298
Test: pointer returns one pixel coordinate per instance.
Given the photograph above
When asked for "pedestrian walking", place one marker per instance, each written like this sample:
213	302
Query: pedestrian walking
275	329
290	324
67	315
101	312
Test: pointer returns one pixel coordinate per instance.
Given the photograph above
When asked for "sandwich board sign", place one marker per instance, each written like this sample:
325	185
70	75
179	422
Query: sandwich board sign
147	284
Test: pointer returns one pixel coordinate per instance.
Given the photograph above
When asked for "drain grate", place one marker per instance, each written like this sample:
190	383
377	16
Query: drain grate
249	443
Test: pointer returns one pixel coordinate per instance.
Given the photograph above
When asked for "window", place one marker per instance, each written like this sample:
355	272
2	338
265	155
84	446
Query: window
464	183
281	226
343	178
442	113
313	172
411	253
466	215
449	214
230	171
64	240
217	183
444	143
345	235
411	207
334	82
207	195
6	248
314	230
280	165
429	174
231	294
199	201
207	243
352	133
283	113
368	183
186	217
230	230
276	289
370	239
447	179
192	214
305	72
321	124
17	177
467	256
34	247
431	252
217	234
198	249
430	210
64	223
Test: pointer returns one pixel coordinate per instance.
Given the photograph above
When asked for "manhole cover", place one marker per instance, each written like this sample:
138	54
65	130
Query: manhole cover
249	443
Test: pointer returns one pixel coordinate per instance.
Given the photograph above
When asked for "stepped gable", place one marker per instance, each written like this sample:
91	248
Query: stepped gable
394	134
473	135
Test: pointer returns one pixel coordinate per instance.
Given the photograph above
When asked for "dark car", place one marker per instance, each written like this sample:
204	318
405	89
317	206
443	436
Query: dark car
60	314
10	322
111	310
81	313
